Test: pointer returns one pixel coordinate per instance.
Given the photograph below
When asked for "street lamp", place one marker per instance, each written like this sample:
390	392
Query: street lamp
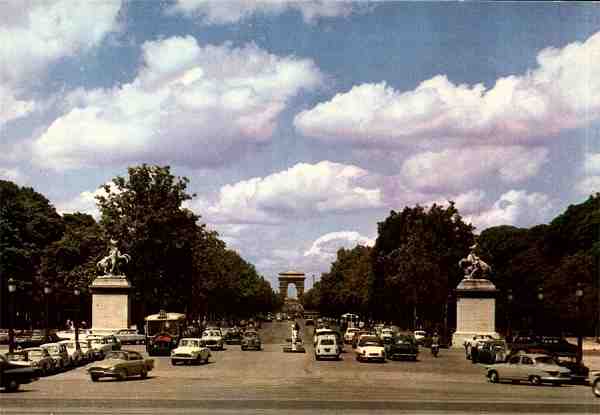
579	299
509	298
77	293
47	292
12	287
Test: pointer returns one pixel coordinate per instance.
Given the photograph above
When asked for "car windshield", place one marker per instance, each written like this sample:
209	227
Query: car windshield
189	343
546	360
404	340
117	355
53	349
250	334
369	341
327	342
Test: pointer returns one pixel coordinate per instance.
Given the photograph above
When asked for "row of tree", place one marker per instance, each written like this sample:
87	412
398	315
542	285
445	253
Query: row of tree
410	274
177	263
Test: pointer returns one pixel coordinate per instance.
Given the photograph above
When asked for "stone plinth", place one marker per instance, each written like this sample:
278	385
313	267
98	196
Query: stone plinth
110	302
475	310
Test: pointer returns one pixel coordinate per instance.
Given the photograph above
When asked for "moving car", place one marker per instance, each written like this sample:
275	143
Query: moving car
595	382
350	334
190	350
327	346
357	336
12	376
369	347
213	339
533	368
251	340
233	336
420	336
121	364
403	346
130	336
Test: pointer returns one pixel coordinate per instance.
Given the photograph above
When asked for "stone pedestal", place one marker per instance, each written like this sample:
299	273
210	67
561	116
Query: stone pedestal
475	310
110	303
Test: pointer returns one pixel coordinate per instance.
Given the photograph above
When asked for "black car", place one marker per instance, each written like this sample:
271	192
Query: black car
12	376
403	346
233	337
553	345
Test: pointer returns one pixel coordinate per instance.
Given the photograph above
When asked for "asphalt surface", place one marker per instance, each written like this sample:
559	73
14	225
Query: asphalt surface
270	381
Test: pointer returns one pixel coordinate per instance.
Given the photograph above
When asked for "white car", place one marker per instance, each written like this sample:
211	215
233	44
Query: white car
75	356
59	353
420	336
130	336
533	368
370	348
101	346
327	346
321	332
386	333
213	339
190	350
349	335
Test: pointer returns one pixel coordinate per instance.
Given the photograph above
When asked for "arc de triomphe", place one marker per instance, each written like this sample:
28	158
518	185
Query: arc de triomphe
291	277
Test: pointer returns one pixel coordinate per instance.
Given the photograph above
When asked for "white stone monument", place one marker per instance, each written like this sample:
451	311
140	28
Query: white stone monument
476	301
110	293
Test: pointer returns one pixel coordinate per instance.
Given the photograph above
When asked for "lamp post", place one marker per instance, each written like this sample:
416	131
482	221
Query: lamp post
579	299
540	297
47	292
77	293
12	287
509	298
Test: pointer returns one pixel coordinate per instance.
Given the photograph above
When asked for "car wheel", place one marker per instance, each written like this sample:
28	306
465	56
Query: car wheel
122	374
493	376
317	357
535	380
144	373
243	348
95	378
12	386
596	387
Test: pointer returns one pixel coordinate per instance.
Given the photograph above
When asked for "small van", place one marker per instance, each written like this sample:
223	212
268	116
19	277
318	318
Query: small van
327	347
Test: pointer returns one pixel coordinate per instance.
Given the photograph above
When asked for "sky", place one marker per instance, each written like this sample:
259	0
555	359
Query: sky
301	125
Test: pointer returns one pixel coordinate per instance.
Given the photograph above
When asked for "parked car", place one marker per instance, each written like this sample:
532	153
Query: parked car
121	364
369	347
44	362
190	350
533	368
130	336
251	340
12	376
553	345
59	353
328	346
75	355
233	336
22	359
213	339
402	346
87	350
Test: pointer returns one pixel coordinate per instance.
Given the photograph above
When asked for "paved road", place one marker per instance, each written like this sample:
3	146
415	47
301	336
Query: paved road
271	381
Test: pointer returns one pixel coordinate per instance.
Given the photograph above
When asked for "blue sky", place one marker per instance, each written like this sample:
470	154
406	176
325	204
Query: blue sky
301	125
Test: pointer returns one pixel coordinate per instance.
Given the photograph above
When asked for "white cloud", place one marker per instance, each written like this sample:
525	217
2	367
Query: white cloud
13	175
588	185
85	202
463	168
515	207
304	189
326	246
563	92
217	12
34	34
193	105
588	181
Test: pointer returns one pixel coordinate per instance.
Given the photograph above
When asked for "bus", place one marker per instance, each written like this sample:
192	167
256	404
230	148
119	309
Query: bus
163	332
